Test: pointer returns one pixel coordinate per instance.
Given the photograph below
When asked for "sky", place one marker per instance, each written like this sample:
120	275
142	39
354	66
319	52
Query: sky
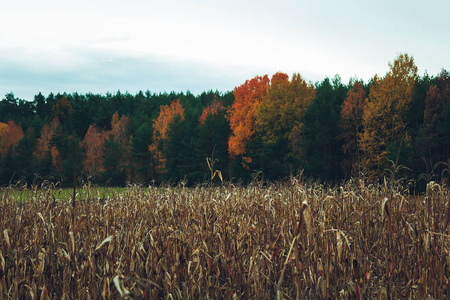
109	45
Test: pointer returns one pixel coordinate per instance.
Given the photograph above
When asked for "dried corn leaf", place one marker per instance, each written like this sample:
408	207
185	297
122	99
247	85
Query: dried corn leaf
63	253
447	219
106	292
107	240
8	243
120	287
40	269
339	244
3	262
42	218
307	217
384	209
30	290
72	240
80	223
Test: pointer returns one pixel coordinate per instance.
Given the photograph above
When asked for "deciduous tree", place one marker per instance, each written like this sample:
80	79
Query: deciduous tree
12	137
383	121
93	152
43	142
160	132
215	107
3	130
243	113
57	160
284	107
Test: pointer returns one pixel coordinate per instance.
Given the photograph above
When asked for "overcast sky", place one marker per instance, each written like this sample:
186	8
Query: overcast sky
108	45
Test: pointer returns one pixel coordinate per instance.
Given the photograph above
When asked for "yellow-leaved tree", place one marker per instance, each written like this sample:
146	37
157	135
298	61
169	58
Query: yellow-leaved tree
384	126
269	109
3	131
283	108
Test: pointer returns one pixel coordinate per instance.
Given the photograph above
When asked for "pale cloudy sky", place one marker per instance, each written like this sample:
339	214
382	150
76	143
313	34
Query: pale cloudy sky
106	45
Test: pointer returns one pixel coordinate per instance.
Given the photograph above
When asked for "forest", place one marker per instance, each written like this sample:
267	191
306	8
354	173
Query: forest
395	126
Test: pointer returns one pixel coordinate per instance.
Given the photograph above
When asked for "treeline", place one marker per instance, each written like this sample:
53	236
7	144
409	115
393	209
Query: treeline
396	126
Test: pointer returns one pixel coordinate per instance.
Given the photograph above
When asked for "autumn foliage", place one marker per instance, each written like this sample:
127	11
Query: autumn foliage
211	109
161	128
3	130
10	135
268	109
383	121
284	106
270	127
57	159
93	148
43	142
243	113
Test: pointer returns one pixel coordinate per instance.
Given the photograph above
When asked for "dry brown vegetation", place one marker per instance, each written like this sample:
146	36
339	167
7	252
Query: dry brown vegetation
291	241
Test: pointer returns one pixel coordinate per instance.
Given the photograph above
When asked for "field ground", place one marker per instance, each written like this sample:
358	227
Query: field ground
61	194
285	241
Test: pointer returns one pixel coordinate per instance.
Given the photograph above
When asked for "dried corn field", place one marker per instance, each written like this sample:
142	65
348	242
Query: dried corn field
285	241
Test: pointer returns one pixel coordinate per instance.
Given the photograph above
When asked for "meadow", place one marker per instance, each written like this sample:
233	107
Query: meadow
290	240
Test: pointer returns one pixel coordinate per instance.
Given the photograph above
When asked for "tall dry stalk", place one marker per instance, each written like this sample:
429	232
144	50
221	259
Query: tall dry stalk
228	243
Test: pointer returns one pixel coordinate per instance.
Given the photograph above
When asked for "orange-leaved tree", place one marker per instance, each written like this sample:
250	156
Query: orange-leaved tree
12	137
43	142
57	160
211	109
383	121
161	128
351	127
243	113
119	127
93	151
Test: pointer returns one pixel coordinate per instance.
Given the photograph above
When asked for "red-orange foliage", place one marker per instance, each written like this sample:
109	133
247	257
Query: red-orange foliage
119	127
57	159
243	113
12	137
93	151
43	142
166	116
279	79
211	109
160	129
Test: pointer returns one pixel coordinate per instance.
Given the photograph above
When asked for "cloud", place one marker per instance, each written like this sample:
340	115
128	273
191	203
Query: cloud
101	72
99	46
